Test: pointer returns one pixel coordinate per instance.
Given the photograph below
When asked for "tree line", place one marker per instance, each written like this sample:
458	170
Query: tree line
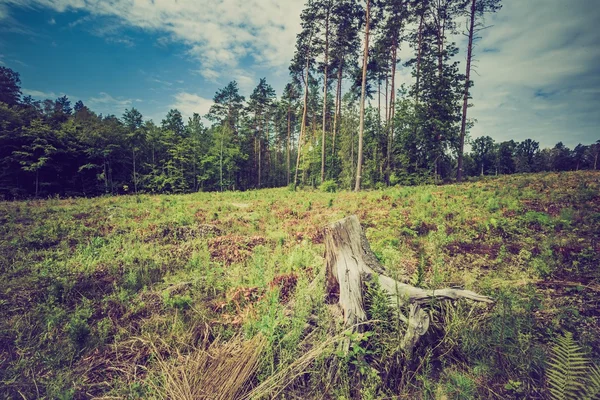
341	117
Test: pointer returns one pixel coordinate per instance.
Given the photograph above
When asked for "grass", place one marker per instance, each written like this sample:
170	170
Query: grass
111	296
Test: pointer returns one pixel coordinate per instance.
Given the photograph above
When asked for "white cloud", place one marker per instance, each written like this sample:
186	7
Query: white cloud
3	12
39	94
105	98
218	34
166	83
534	83
107	104
19	62
245	81
190	103
537	67
52	21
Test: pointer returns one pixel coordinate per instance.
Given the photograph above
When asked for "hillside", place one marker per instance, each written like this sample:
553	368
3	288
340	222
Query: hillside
116	296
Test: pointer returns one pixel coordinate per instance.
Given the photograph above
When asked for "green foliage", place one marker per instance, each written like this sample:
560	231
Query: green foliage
541	218
570	375
77	327
328	186
177	301
460	386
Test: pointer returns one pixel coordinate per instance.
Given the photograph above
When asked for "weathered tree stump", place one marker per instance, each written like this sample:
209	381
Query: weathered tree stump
350	261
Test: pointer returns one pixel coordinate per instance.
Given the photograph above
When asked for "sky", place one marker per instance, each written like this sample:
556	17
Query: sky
537	64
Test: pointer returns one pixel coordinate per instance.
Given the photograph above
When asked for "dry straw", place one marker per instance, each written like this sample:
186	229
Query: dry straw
218	373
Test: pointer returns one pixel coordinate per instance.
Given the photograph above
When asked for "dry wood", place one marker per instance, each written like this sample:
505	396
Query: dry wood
350	261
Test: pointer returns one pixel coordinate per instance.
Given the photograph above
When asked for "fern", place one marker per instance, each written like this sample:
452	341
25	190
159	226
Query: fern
593	384
569	375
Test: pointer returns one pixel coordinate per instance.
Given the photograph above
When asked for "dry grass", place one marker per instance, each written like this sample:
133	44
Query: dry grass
219	373
286	375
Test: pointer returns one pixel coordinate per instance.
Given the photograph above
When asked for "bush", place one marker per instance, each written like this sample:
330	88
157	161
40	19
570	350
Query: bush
328	186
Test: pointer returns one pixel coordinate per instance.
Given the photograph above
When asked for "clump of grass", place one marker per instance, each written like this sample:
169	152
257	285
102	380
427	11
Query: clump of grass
217	373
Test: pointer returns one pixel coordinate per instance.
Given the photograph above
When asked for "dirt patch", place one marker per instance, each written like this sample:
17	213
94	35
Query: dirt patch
170	233
424	228
232	248
475	248
513	248
314	235
80	216
96	285
286	284
539	206
567	252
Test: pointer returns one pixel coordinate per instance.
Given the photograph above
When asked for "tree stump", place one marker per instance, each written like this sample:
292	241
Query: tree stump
350	261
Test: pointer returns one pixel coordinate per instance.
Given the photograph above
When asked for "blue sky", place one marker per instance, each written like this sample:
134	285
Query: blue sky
538	66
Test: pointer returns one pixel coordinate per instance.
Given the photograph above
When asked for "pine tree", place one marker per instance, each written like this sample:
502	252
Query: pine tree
261	105
346	20
361	127
476	10
10	86
307	45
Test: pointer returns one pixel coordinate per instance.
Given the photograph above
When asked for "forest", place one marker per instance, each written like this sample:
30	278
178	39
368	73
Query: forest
341	118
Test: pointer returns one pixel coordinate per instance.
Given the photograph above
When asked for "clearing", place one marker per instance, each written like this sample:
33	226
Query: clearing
154	296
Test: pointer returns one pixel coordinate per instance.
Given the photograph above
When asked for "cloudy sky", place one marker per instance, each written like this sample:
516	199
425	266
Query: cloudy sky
538	65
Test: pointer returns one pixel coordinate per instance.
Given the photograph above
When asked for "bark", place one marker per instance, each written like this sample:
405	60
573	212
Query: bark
221	162
350	262
387	91
338	107
287	150
420	45
440	22
269	161
303	126
135	173
325	96
463	122
37	182
392	107
361	126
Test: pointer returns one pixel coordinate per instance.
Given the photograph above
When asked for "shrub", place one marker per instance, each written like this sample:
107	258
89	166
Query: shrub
328	186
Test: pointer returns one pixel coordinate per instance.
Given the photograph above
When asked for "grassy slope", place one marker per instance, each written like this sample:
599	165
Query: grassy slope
83	278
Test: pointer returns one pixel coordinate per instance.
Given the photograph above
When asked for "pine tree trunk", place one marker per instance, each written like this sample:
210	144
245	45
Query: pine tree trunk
361	126
301	137
288	143
105	176
325	96
420	45
338	107
259	157
221	160
392	107
304	112
387	99
302	127
135	175
37	182
463	122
